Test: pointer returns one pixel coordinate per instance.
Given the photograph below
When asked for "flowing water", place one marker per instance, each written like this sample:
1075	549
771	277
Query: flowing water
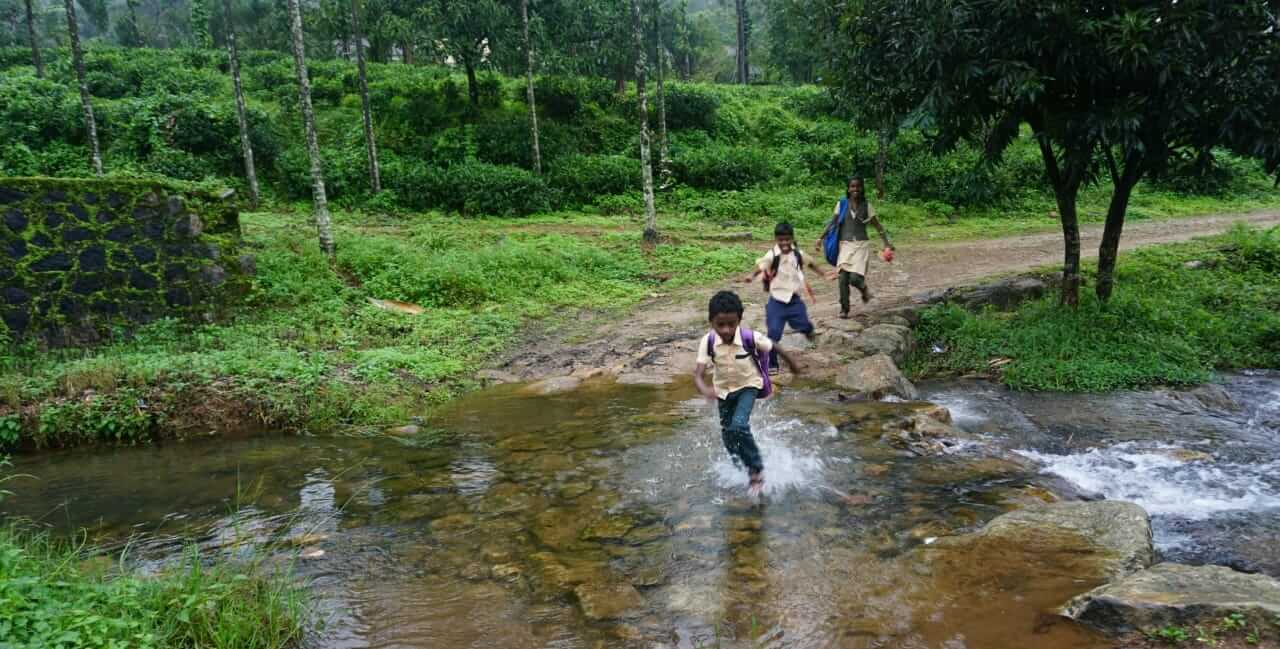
612	517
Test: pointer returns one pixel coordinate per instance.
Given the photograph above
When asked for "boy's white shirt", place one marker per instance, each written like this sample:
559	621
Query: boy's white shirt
790	278
734	368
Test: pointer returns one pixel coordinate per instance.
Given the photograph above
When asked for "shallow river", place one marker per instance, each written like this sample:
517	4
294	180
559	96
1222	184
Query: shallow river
612	517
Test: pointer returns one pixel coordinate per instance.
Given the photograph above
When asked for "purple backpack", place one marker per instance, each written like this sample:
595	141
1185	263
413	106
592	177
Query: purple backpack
749	344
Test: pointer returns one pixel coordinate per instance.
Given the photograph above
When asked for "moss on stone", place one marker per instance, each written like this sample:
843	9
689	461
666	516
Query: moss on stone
81	258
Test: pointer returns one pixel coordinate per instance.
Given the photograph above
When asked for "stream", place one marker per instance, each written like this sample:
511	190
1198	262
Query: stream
611	516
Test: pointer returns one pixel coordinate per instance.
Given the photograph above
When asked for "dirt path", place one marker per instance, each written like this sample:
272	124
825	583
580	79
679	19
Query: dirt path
657	341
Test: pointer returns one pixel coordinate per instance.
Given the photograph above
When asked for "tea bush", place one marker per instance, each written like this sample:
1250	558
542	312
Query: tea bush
581	178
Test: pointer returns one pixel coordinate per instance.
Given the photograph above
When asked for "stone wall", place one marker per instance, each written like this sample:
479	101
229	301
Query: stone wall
81	259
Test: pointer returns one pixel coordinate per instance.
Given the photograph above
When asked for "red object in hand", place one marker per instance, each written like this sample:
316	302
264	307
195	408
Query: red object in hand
887	255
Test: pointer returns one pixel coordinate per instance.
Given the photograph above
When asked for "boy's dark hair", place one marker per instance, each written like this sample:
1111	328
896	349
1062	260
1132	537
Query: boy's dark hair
784	229
724	302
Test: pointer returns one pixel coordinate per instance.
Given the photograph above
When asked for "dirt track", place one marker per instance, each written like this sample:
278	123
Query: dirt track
657	340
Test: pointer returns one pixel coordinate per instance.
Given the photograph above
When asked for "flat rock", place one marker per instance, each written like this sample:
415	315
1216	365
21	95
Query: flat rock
875	377
1087	541
796	340
553	385
1172	593
1004	294
608	601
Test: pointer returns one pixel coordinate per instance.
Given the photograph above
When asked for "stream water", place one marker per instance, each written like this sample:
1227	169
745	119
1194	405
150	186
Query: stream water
612	517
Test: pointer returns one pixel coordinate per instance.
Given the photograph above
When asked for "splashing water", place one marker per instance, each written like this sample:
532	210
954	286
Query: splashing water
788	447
1164	484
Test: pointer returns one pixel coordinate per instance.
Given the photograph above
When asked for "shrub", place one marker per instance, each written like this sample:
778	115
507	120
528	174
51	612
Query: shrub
726	167
582	178
691	106
482	188
565	98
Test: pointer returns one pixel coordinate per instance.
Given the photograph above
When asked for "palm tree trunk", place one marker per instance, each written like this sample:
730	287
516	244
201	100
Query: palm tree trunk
528	73
646	170
35	41
664	159
371	147
77	58
744	70
246	147
323	227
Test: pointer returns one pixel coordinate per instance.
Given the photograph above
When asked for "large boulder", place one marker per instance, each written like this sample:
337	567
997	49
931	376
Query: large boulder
1004	295
876	377
1085	541
1172	593
895	341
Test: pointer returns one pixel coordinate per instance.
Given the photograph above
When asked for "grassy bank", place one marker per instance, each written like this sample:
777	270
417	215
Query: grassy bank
309	349
1180	312
57	595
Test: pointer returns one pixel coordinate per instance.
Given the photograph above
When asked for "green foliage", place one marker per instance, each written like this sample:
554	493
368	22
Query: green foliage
691	106
55	595
1168	325
1173	635
583	178
727	167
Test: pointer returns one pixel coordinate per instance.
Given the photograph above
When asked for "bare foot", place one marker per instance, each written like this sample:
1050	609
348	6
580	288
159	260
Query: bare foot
756	485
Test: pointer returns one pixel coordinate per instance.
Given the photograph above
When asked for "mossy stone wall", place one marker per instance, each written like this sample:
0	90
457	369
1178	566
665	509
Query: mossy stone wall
80	259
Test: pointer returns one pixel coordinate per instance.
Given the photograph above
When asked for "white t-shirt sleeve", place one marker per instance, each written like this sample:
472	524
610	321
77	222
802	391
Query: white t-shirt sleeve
765	262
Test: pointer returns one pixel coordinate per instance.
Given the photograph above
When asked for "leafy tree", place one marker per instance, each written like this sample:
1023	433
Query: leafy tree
467	31
128	30
1105	87
200	14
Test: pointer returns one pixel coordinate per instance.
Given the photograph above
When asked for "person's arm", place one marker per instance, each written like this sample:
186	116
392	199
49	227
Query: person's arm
762	267
884	235
809	289
835	217
792	364
700	381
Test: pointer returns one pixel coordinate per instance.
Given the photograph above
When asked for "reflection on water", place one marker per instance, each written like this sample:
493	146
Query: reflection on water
613	517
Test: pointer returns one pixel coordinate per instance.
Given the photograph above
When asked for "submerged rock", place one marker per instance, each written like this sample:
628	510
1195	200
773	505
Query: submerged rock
553	385
1172	593
1087	541
876	377
608	601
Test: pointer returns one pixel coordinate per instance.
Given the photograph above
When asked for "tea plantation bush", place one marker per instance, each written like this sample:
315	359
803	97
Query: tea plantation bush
171	112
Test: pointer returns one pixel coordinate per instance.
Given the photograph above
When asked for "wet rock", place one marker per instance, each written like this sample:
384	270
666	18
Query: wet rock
1195	401
893	340
609	529
497	376
1171	593
564	575
553	385
836	340
1092	541
557	529
647	534
875	377
797	341
644	378
404	431
608	601
1185	455
475	572
574	489
506	572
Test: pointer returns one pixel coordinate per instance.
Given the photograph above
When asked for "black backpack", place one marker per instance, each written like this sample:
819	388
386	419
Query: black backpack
777	261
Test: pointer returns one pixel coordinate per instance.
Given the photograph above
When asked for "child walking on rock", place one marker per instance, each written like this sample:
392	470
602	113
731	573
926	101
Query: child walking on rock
783	270
849	220
739	362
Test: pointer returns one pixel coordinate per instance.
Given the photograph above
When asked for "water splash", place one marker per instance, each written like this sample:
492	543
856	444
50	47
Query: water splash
1155	477
789	448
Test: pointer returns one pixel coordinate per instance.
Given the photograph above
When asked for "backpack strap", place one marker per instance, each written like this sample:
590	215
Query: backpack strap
711	346
777	260
748	340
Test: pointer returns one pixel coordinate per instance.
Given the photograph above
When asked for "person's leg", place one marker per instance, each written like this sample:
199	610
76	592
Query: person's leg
844	291
861	282
740	430
798	317
727	407
775	318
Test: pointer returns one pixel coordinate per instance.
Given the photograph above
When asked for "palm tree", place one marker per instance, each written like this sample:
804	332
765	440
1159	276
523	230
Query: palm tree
323	227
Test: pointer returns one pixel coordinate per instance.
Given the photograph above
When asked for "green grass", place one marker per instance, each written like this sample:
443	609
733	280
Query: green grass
308	350
59	595
1166	324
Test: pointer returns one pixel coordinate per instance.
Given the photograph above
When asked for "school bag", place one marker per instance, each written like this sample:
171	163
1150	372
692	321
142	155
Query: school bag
831	240
749	344
777	261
